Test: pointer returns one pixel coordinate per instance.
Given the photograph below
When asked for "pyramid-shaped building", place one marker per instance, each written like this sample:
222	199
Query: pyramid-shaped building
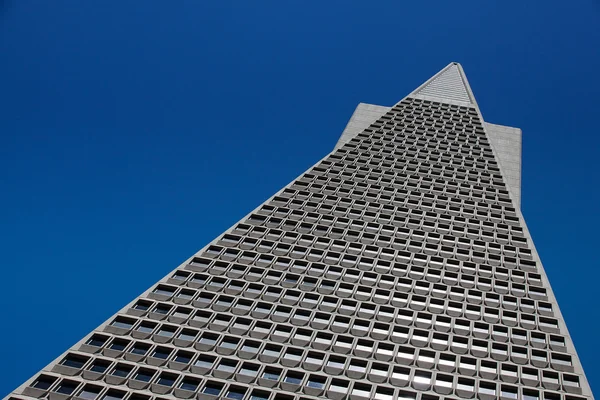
397	267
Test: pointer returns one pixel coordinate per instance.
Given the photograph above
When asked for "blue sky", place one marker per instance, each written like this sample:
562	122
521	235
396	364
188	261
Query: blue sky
132	133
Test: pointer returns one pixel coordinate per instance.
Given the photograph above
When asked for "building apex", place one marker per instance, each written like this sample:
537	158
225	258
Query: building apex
450	84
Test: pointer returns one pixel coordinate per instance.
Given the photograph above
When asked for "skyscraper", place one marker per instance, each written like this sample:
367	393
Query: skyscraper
399	266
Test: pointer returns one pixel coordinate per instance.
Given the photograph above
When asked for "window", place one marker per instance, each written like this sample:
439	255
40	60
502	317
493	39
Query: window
315	381
213	388
190	384
66	387
271	373
205	361
146	327
361	390
187	334
227	365
164	290
259	395
229	343
140	348
99	366
208	339
97	340
235	392
74	361
167	331
119	344
122	370
294	377
113	395
89	392
183	357
271	350
166	379
161	352
144	375
162	309
142	305
249	369
123	323
250	346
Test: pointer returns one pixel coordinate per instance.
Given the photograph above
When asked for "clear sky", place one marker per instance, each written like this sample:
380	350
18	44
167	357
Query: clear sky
134	132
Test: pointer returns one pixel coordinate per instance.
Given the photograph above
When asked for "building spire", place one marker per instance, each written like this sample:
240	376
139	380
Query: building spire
448	85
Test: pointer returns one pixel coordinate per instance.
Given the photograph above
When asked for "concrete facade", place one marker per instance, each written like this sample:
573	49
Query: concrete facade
397	267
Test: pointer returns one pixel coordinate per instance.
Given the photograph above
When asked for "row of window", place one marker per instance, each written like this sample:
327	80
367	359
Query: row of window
432	234
359	369
412	264
376	194
251	269
385	275
313	360
301	317
441	174
412	138
397	159
317	249
369	233
360	243
385	349
163	383
492	231
248	372
290	380
441	180
362	285
388	158
369	212
403	310
406	175
368	256
394	159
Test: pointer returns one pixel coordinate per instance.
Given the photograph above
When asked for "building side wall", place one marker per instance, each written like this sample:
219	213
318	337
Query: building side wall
364	115
507	145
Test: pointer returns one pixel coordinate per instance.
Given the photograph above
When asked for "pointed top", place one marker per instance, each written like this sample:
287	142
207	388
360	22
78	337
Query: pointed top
448	85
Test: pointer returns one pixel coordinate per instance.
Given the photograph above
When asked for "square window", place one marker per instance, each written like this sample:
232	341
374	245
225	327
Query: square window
162	309
122	370
161	352
187	334
271	373
189	384
99	366
235	393
124	323
119	344
142	305
249	369
212	388
97	341
74	361
67	387
140	348
294	377
166	379
113	395
89	392
183	357
205	361
259	395
144	375
227	365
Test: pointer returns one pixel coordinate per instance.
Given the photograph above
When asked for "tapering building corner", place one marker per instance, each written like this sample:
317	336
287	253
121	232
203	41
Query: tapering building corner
398	267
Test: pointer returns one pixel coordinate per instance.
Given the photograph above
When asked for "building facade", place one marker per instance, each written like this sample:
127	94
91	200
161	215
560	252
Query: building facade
397	267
